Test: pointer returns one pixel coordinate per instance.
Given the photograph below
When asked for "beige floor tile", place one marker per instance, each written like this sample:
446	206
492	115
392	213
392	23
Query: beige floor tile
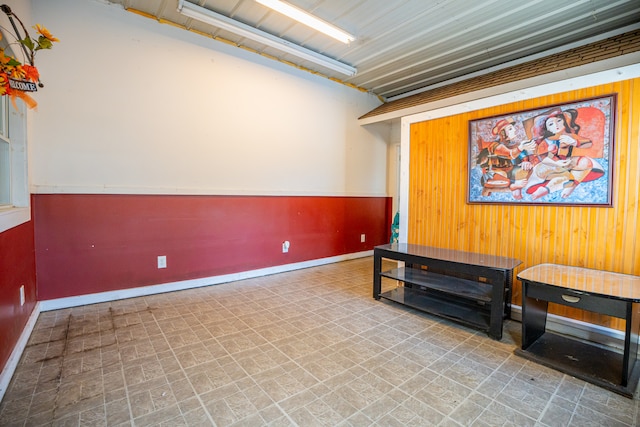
304	348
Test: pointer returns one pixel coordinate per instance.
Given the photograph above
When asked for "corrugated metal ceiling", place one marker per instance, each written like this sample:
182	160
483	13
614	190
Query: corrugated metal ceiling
406	46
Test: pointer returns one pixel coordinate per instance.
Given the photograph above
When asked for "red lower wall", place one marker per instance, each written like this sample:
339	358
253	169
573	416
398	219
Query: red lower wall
95	243
17	268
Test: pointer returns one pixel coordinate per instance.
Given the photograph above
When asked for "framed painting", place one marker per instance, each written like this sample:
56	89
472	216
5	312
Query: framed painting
557	155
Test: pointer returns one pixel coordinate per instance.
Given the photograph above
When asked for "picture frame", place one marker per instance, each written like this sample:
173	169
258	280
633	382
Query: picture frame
560	154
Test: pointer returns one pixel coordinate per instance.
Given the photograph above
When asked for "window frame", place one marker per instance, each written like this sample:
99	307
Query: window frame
4	139
19	209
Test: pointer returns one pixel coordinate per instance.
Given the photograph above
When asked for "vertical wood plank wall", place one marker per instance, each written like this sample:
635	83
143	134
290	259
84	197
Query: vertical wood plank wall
592	237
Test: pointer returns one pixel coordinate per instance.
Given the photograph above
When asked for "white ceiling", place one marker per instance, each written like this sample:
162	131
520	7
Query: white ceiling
406	46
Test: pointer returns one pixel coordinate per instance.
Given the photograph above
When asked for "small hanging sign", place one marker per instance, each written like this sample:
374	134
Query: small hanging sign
22	85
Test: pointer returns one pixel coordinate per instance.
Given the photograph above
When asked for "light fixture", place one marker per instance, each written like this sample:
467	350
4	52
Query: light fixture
220	21
308	20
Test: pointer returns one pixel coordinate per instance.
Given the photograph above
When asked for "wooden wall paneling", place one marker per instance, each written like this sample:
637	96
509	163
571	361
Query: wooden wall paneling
593	237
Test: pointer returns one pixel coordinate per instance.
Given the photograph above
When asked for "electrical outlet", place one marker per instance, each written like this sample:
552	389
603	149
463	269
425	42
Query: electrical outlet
363	238
162	261
21	295
285	246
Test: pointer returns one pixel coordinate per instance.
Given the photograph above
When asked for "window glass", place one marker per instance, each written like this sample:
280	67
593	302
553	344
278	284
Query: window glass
4	132
5	156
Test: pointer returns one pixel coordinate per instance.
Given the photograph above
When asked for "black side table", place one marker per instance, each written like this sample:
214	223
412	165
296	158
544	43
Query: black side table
603	292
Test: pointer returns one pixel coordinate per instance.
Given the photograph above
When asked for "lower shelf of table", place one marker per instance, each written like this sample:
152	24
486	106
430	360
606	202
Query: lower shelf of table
447	284
589	362
476	316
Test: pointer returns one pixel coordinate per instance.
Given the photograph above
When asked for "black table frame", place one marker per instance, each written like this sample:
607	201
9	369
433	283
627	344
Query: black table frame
607	368
493	296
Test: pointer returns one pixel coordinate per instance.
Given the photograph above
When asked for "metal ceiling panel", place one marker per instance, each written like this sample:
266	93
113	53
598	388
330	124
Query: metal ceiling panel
406	45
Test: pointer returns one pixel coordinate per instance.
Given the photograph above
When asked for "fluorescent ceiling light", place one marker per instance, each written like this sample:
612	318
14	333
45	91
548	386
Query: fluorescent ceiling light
220	21
308	20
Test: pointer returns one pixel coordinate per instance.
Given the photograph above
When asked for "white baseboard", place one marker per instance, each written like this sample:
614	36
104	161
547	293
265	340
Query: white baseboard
60	303
16	354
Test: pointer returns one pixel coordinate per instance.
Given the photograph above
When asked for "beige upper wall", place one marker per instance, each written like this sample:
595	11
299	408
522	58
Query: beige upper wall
134	106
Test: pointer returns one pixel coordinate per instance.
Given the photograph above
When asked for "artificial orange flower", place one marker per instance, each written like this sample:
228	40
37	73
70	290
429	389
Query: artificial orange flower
45	33
4	84
4	58
31	73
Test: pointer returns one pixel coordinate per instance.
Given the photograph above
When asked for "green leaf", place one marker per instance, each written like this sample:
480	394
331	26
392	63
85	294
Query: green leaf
44	43
13	62
28	43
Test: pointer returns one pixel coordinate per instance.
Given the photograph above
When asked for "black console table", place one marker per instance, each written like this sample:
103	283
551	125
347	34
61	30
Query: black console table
603	292
470	288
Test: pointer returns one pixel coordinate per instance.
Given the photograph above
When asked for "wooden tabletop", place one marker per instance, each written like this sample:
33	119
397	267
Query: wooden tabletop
587	280
452	255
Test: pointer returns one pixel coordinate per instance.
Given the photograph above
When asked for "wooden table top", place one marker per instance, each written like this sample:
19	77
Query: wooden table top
587	280
452	255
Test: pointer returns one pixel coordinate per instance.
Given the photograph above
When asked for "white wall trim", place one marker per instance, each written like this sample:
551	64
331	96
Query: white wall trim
12	217
403	197
16	354
187	191
503	97
67	302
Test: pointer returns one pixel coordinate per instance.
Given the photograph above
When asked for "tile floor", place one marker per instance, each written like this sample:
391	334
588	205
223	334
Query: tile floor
304	348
